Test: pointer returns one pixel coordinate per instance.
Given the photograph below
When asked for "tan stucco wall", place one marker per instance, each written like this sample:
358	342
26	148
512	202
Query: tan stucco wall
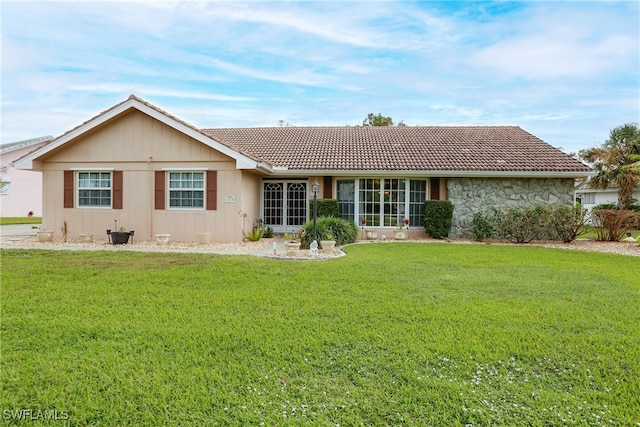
250	201
139	145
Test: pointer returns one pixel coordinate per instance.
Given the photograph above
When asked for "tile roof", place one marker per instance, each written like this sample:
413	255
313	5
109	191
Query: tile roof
401	148
12	146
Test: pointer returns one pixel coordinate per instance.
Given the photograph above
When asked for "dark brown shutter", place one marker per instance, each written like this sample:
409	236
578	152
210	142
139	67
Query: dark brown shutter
212	190
68	189
434	189
326	187
117	190
443	189
160	185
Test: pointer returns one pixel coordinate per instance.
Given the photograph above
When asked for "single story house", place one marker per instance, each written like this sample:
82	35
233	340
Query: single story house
21	190
589	197
155	173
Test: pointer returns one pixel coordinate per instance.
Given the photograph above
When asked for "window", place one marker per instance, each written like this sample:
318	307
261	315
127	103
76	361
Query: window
394	202
382	201
346	199
417	197
5	183
94	189
369	198
5	187
186	190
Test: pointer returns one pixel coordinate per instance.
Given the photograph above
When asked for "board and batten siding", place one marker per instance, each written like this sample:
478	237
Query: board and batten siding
136	147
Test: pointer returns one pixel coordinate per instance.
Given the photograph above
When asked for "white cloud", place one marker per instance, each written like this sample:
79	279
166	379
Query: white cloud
547	66
326	21
561	41
559	53
145	90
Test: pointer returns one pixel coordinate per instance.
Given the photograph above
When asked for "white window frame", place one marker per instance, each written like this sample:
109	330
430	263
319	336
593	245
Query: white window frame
79	188
412	204
202	189
5	188
404	210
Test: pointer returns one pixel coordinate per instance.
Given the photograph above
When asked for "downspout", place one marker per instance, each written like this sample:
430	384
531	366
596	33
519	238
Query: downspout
151	196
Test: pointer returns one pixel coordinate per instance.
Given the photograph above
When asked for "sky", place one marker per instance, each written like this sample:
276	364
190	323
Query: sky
567	71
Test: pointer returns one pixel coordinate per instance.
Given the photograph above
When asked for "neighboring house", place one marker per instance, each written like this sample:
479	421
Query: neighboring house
21	190
155	173
590	197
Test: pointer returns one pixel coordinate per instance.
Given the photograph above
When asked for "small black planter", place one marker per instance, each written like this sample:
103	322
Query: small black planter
120	237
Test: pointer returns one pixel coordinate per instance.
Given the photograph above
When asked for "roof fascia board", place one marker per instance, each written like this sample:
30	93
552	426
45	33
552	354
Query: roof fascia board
265	168
27	161
242	161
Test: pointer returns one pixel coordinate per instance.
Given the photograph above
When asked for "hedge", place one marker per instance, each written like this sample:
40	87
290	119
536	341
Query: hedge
326	207
438	217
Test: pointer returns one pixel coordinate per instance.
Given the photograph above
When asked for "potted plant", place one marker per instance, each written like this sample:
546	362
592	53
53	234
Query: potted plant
121	236
204	238
45	235
86	237
371	234
292	242
163	238
401	232
328	244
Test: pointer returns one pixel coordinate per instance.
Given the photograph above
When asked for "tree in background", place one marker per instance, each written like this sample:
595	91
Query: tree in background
616	163
379	120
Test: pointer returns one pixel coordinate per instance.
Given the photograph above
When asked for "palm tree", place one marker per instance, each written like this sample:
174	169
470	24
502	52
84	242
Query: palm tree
616	163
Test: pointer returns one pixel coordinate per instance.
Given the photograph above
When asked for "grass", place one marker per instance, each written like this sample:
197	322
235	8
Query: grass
6	220
392	334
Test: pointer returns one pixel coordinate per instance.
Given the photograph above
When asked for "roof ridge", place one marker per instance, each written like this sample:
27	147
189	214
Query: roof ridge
367	127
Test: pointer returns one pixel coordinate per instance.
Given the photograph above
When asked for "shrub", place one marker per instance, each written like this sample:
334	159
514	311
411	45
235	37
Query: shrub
254	235
614	206
267	231
567	222
483	225
611	224
438	217
326	207
522	225
342	231
636	209
607	206
259	231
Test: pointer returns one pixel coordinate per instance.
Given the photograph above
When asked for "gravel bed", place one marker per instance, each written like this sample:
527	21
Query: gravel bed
104	245
264	247
620	248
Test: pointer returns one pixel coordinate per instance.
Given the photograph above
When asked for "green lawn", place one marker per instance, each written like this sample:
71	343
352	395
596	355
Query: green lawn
20	220
393	334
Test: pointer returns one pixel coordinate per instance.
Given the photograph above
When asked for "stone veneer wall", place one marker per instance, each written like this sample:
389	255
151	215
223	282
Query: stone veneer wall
471	195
